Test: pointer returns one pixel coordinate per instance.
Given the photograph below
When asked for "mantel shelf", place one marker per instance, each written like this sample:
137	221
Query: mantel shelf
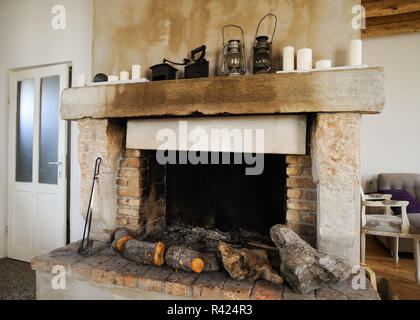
354	90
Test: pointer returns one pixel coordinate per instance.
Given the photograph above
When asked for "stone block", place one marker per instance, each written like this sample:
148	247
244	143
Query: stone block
301	205
289	294
152	280
128	212
100	138
127	276
300	183
237	290
208	285
180	283
130	193
294	193
264	290
336	168
303	161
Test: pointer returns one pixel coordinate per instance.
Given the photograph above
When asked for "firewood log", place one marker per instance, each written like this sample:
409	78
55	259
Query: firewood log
142	252
185	259
245	264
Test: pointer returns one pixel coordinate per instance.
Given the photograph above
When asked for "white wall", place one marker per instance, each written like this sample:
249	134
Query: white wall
27	39
391	141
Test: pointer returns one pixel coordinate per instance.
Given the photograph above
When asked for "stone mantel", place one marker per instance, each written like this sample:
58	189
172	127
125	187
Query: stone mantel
358	90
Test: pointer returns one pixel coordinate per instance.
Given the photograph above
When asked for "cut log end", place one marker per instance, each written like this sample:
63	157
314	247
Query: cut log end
159	258
121	242
197	265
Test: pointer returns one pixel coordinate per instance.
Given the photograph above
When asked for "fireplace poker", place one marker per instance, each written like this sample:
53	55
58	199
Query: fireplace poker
86	250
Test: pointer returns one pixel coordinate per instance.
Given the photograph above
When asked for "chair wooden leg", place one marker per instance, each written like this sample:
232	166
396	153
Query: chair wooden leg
396	247
390	246
417	258
362	248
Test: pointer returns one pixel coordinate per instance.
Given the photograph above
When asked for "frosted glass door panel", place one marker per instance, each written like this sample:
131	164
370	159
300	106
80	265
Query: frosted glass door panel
24	130
49	119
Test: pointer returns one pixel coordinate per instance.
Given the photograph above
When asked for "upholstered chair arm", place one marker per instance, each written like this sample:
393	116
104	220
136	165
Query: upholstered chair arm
378	196
386	203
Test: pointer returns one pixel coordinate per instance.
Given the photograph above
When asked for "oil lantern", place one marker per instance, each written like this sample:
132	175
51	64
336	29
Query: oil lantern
263	56
234	60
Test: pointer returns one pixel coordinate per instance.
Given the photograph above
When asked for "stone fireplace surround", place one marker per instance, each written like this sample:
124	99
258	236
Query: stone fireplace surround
323	202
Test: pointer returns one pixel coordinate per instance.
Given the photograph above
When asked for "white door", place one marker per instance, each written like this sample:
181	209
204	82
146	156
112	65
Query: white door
37	193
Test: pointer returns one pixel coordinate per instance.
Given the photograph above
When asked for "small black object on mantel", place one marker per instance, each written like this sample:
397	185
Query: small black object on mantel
163	71
100	77
198	69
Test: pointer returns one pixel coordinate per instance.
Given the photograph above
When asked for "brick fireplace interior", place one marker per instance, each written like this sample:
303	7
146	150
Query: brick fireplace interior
221	196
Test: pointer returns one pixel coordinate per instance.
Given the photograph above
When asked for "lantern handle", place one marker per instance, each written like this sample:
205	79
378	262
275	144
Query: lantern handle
234	26
275	26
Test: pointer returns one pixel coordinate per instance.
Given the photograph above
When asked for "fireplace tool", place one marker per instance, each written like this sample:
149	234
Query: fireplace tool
86	244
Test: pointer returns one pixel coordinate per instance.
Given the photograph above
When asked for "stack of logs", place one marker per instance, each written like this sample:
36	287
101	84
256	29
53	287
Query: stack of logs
241	264
302	267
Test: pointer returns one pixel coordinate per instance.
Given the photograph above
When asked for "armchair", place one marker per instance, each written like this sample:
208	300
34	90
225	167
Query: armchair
388	225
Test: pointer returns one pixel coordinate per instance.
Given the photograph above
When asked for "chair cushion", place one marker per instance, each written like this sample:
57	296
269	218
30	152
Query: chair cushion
414	219
403	195
383	223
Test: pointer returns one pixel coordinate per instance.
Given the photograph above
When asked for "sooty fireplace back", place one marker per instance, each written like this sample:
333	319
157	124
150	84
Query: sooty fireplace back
224	197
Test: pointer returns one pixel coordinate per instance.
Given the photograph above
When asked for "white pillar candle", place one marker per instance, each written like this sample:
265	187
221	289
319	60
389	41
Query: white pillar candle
113	78
323	64
304	59
288	59
81	80
124	75
356	53
136	72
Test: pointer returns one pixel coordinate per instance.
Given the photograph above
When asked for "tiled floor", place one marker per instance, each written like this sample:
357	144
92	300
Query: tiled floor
17	280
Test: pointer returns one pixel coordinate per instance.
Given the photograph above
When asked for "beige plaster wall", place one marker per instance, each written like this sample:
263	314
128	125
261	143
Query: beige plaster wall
127	32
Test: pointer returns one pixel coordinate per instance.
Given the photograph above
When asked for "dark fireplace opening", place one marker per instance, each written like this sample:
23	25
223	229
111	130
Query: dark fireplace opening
223	197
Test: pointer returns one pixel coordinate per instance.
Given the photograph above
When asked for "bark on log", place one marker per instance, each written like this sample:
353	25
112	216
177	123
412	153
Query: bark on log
302	267
246	264
181	258
142	252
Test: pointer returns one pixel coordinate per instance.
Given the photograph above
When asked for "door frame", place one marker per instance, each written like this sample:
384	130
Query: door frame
15	75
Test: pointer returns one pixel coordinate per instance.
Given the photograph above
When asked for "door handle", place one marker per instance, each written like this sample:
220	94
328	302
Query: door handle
60	167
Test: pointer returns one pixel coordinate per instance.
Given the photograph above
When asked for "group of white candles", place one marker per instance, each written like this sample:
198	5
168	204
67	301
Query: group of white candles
124	76
304	58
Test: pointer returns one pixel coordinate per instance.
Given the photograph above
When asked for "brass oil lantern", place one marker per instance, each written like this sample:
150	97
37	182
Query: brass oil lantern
263	56
234	58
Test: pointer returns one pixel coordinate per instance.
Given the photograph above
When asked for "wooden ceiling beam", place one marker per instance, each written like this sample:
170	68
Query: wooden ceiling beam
392	28
378	8
390	17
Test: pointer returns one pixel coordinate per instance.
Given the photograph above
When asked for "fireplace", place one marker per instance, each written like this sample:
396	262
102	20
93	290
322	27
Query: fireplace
310	181
311	119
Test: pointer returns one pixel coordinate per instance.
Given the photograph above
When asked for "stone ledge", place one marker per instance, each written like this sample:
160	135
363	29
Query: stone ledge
352	90
106	267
